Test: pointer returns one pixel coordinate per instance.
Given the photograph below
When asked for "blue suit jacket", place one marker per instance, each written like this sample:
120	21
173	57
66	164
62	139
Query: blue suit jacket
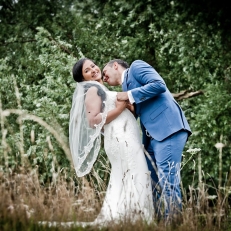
159	113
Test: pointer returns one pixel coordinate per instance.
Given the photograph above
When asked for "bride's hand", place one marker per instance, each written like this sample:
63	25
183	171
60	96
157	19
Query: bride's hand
114	113
121	105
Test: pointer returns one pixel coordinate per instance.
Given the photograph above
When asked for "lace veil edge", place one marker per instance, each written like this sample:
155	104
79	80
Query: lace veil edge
85	142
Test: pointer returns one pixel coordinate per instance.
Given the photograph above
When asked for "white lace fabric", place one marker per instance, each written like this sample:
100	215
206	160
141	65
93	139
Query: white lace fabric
129	192
84	140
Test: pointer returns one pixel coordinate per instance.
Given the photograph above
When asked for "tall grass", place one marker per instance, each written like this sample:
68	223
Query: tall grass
26	199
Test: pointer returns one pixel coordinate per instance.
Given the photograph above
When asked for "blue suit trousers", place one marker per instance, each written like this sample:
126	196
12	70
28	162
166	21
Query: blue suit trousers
167	156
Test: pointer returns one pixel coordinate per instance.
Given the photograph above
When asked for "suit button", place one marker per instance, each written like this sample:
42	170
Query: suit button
143	98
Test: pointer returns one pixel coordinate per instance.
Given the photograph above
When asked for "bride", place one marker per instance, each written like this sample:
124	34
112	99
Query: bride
95	108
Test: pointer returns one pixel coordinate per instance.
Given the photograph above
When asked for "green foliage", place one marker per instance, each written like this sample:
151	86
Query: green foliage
186	42
45	90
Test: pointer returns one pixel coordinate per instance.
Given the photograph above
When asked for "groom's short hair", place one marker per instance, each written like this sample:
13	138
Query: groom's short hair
119	61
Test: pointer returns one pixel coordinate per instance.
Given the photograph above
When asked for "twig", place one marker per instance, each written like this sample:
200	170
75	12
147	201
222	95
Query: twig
25	116
185	94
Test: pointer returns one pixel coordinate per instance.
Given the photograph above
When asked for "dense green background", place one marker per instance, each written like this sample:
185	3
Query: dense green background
188	43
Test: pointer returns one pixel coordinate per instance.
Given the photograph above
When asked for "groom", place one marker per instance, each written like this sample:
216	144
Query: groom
163	123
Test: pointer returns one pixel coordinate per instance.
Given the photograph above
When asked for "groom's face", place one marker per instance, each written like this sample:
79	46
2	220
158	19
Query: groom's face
110	75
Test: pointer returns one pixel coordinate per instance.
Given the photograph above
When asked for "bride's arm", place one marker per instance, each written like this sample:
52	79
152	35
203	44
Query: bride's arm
93	104
111	115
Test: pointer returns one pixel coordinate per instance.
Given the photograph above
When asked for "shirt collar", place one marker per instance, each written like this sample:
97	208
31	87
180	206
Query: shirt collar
122	77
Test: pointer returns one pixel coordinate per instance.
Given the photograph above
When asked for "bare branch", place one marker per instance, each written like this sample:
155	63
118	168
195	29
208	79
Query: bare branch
185	94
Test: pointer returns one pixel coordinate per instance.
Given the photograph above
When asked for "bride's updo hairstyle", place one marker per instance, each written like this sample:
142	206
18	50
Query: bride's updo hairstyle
78	77
77	69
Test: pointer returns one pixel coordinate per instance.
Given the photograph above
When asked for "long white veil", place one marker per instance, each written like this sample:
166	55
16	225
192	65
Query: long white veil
84	140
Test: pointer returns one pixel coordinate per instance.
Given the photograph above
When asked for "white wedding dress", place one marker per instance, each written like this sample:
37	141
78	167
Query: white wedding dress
129	192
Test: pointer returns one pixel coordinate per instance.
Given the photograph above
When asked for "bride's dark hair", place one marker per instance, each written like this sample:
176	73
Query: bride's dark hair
78	77
77	69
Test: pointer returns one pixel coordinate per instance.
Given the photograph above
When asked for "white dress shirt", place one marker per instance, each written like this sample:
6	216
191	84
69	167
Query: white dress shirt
130	97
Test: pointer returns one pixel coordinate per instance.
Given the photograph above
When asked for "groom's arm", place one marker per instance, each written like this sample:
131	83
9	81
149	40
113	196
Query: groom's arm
125	96
152	84
149	83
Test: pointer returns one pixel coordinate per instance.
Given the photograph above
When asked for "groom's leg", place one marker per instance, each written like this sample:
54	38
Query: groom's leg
150	163
156	190
168	155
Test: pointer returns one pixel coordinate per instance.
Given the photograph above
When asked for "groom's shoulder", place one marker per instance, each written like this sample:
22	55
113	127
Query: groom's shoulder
138	63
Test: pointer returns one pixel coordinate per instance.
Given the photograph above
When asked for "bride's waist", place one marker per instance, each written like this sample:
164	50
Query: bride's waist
120	124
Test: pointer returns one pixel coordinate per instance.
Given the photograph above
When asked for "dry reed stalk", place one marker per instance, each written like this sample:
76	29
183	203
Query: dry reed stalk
21	143
26	116
220	212
23	193
4	133
56	202
24	198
